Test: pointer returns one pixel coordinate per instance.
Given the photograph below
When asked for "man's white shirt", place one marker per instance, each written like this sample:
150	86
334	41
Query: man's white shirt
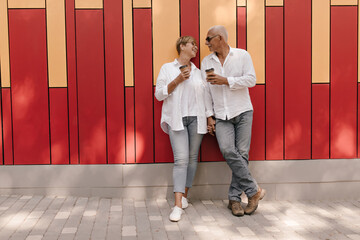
226	102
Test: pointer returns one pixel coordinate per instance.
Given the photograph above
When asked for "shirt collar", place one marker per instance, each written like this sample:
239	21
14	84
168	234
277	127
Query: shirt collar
231	53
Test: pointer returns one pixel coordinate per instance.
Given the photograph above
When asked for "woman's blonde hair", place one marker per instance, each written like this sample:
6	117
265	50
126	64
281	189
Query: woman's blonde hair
183	41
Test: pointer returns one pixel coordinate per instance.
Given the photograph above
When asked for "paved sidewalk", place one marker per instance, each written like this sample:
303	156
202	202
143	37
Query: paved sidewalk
54	217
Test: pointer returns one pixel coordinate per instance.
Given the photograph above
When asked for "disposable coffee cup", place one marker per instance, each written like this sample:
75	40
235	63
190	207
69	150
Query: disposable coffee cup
209	71
182	68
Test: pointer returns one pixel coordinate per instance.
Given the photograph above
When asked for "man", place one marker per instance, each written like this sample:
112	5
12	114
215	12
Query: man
228	105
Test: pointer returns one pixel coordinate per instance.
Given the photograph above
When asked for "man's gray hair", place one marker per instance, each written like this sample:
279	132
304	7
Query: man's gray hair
221	30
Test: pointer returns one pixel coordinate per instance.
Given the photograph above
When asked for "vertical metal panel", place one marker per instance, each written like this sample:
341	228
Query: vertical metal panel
320	41
241	27
256	36
343	93
7	126
190	23
72	82
274	83
29	90
257	148
59	126
143	86
163	150
128	43
320	121
114	80
165	17
130	125
56	43
91	92
4	45
297	79
217	12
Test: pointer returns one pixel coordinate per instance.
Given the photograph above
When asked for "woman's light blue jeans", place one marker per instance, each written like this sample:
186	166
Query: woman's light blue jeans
234	136
185	145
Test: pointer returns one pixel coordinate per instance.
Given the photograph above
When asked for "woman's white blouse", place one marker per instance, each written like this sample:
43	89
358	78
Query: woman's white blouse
172	110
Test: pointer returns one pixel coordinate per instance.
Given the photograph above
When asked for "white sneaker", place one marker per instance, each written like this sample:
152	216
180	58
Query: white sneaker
176	214
184	202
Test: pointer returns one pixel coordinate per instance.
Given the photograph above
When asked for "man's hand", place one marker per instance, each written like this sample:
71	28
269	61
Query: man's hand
211	126
215	79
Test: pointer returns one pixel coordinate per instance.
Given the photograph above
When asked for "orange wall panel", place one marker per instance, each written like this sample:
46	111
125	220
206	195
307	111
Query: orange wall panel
29	88
91	86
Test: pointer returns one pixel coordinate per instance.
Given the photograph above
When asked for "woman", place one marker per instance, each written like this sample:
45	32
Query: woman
180	86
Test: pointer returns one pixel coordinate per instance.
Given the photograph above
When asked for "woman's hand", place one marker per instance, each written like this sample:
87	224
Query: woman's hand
211	126
185	73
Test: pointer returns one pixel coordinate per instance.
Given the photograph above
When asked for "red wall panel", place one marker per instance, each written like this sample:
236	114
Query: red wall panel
59	126
189	22
7	126
114	81
343	111
72	85
210	151
130	125
320	121
274	83
257	147
29	86
297	79
91	86
163	150
143	82
1	131
241	27
358	133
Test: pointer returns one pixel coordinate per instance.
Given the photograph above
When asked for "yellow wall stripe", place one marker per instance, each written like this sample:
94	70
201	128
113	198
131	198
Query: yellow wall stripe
56	42
256	37
359	43
142	4
166	29
4	45
344	2
88	4
217	12
274	3
26	3
241	3
320	41
128	43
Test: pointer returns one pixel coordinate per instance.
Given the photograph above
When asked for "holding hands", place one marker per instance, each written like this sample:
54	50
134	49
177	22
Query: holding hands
211	126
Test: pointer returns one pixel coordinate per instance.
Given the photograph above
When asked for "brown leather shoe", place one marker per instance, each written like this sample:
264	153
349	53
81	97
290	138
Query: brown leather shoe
236	208
253	201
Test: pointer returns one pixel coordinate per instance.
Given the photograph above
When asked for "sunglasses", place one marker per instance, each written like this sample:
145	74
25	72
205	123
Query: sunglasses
208	39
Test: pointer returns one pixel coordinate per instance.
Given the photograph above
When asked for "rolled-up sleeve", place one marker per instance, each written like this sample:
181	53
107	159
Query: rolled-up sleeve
161	90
